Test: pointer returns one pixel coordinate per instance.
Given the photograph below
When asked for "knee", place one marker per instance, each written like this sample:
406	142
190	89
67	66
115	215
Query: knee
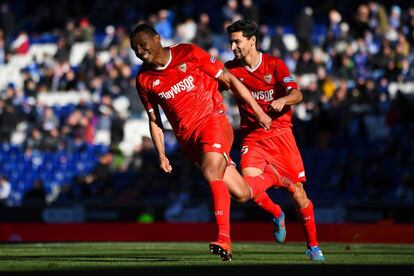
244	198
299	194
241	196
211	173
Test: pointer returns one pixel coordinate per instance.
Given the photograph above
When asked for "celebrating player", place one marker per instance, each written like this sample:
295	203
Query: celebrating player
275	90
183	80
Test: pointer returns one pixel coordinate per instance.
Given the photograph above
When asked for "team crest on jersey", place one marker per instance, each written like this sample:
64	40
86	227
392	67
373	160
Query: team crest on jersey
183	67
244	150
212	59
268	78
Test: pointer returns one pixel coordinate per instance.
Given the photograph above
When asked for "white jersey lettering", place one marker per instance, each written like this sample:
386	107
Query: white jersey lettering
266	95
186	85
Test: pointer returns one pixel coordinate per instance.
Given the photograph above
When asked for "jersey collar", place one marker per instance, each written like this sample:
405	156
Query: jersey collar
257	66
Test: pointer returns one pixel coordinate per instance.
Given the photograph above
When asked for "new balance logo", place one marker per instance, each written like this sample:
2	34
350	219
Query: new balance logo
218	213
156	82
216	145
301	174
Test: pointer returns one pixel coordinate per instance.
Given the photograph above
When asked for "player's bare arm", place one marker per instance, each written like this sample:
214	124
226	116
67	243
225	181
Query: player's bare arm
230	81
293	97
157	136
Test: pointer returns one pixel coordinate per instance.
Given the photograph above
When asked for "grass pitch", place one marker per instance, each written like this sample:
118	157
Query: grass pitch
168	258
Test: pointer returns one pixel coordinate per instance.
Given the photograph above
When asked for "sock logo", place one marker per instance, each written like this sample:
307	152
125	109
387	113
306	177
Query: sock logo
218	213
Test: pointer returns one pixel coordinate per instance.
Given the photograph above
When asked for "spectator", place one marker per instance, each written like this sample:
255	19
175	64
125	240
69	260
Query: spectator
21	44
304	26
34	140
164	24
9	119
361	21
204	34
277	45
48	119
99	181
2	48
63	51
395	17
35	195
52	140
86	31
5	190
110	38
186	31
378	17
7	22
69	33
249	10
229	11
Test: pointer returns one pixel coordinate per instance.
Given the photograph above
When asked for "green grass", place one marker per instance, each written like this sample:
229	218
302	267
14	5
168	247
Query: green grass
120	257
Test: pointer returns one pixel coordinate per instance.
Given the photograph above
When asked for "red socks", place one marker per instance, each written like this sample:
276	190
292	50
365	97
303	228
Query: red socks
308	221
264	201
221	201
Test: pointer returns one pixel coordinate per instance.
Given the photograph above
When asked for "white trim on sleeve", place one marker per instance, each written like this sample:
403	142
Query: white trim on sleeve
218	73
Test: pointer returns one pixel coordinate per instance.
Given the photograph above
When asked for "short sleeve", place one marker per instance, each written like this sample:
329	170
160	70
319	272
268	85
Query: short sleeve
284	77
144	96
209	64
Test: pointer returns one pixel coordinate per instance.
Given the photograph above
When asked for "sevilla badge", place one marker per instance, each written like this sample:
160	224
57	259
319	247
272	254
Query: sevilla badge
183	67
268	78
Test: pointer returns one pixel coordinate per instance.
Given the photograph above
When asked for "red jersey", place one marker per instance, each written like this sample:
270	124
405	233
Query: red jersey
185	88
270	80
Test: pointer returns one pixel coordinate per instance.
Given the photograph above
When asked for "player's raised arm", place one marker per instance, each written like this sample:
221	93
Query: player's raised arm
230	81
157	136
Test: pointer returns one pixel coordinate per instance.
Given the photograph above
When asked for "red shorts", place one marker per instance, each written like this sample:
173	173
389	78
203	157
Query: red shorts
214	135
280	150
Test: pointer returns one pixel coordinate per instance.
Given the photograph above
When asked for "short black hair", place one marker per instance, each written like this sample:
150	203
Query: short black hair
141	28
247	27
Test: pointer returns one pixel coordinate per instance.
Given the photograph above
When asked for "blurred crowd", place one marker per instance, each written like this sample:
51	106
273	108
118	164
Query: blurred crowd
353	62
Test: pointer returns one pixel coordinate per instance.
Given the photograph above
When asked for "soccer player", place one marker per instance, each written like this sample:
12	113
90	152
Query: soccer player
273	87
183	80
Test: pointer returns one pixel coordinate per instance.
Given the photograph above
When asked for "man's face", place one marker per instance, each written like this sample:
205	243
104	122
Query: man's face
147	47
240	45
